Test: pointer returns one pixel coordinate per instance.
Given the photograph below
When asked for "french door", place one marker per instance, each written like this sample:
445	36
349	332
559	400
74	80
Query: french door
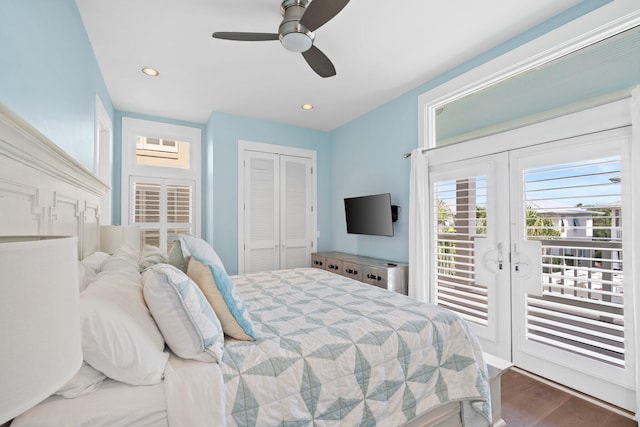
529	245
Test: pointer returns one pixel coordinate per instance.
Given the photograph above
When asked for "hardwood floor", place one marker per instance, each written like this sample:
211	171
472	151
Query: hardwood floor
527	402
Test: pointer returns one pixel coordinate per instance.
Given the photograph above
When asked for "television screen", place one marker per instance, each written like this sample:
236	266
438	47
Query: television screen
369	215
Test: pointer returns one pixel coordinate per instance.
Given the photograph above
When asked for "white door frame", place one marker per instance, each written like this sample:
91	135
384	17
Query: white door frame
602	118
244	146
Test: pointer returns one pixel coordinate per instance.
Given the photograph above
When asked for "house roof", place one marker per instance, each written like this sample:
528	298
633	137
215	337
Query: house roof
552	207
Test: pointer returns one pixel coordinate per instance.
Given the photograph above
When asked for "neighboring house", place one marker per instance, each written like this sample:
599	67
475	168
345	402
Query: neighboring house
572	222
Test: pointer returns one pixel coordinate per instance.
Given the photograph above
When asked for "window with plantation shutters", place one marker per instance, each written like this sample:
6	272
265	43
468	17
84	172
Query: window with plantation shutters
161	208
161	164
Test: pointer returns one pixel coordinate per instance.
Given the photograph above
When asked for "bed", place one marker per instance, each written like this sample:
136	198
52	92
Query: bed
318	348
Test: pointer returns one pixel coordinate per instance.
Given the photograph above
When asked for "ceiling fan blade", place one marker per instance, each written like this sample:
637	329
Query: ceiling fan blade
319	62
245	37
319	12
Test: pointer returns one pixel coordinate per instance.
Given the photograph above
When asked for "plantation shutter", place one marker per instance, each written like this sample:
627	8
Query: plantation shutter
460	217
581	308
162	208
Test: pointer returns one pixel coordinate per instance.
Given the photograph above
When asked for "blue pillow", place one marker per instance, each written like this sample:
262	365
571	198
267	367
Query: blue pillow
223	296
195	246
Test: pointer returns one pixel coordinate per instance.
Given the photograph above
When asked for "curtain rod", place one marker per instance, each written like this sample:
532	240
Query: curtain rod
407	155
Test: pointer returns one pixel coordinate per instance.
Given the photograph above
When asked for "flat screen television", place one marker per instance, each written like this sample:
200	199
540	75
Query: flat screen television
369	215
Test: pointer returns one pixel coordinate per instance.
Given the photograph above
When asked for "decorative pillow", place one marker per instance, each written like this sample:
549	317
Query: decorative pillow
119	336
221	293
195	246
84	382
185	318
152	255
176	258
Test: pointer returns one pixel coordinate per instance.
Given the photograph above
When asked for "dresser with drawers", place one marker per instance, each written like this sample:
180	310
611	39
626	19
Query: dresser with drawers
378	272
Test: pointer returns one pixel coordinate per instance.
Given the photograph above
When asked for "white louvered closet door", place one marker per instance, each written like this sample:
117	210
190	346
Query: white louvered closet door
277	211
261	212
295	212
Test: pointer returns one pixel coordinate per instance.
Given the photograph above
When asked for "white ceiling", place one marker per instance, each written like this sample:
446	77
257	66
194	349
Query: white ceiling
381	49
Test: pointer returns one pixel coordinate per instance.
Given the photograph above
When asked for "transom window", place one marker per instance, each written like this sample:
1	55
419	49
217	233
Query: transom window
161	177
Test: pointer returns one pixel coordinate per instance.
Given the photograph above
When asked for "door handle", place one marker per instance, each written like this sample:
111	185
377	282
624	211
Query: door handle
527	271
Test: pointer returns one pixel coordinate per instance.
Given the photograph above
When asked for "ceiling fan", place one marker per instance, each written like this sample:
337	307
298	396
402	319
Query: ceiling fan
300	18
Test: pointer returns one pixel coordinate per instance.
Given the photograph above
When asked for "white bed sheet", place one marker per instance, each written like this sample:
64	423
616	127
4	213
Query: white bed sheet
113	404
192	394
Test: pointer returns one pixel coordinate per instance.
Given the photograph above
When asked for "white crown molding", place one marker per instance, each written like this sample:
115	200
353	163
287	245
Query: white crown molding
23	143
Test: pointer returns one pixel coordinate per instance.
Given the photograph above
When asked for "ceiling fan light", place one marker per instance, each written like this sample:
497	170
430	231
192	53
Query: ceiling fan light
296	42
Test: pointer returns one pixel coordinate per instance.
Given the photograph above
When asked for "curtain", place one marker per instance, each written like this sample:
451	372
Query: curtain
635	177
419	227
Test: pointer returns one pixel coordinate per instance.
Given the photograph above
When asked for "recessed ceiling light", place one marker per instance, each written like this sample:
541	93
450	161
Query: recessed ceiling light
307	107
150	71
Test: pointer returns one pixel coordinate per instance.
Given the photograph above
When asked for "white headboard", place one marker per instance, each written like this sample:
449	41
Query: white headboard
43	190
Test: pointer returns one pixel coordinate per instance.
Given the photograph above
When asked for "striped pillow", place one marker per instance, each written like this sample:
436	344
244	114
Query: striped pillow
185	318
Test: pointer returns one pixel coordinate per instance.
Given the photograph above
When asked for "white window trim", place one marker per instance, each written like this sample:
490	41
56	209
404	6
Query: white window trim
131	128
604	22
103	157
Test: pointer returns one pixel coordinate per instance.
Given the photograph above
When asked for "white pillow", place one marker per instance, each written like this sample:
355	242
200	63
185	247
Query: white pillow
224	298
185	318
95	260
151	255
119	336
196	247
84	382
122	259
86	275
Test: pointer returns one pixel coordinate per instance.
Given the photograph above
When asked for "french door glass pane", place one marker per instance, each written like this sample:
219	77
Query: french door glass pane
575	210
460	216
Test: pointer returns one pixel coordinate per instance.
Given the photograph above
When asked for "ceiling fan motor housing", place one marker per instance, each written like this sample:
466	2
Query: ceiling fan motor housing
294	36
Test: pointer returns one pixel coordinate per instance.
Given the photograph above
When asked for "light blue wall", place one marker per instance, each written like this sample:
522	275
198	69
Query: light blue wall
49	74
366	158
221	211
367	152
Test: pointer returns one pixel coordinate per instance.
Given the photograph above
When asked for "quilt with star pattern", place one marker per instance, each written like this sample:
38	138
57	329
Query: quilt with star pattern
331	351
